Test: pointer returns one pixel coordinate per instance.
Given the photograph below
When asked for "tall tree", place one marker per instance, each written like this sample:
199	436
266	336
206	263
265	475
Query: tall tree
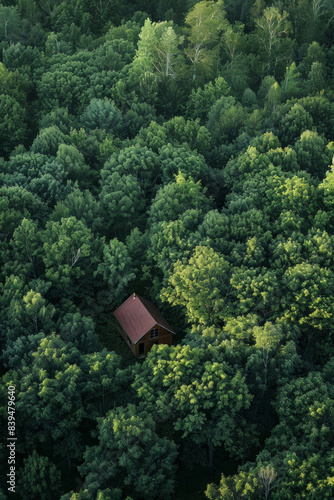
158	57
271	28
205	22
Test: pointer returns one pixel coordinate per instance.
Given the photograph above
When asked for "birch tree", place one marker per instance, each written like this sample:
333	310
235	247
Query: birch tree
206	21
272	26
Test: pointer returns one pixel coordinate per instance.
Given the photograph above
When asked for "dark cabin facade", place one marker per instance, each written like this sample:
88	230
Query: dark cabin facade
142	325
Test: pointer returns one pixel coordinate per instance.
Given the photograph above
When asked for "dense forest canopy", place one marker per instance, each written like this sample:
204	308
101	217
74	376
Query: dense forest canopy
182	150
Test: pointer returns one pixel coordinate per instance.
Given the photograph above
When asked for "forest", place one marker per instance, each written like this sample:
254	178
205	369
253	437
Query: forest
181	150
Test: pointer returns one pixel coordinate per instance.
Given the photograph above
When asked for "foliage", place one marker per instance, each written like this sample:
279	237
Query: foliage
182	151
40	477
13	128
128	435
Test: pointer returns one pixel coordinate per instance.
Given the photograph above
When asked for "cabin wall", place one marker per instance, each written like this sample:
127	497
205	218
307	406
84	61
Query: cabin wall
164	337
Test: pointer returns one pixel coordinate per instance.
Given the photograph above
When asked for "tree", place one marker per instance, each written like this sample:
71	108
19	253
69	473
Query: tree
258	291
327	187
17	203
172	241
136	244
73	163
83	206
140	162
59	117
116	270
40	174
153	137
114	493
315	53
102	114
13	128
34	310
242	485
167	52
313	18
236	73
10	23
182	159
267	476
308	299
18	55
26	312
206	22
305	409
312	475
73	81
88	144
14	84
39	478
199	394
158	52
248	98
291	125
158	61
316	78
108	385
69	251
181	131
201	286
271	28
26	247
49	394
273	97
292	83
130	455
177	197
79	331
231	123
138	116
201	99
48	141
313	154
215	120
121	201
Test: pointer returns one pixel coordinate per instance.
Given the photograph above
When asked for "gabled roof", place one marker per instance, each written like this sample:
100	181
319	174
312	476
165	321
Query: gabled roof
137	316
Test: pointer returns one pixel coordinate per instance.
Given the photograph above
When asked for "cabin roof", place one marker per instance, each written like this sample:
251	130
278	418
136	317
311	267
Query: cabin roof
137	316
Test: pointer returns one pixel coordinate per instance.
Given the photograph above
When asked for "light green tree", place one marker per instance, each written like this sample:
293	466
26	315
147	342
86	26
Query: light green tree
205	22
271	28
201	286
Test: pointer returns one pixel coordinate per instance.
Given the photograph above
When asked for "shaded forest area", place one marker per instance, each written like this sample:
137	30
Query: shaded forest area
182	150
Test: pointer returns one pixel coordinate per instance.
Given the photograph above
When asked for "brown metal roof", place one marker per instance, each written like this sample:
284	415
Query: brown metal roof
137	316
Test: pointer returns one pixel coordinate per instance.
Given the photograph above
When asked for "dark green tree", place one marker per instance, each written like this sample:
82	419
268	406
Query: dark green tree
130	455
39	478
13	128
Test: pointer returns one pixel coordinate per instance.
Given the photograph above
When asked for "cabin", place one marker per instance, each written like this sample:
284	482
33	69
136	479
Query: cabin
142	325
